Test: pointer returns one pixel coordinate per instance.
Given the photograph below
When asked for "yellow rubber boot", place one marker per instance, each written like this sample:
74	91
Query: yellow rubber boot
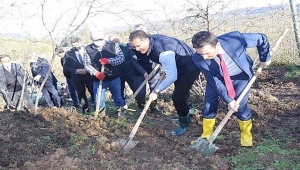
246	135
208	127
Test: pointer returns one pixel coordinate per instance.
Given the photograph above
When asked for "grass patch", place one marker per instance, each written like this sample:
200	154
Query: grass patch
76	139
294	70
47	140
268	154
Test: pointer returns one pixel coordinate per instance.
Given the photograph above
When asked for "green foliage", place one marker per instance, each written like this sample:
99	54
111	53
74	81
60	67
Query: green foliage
294	71
76	139
92	149
47	140
268	154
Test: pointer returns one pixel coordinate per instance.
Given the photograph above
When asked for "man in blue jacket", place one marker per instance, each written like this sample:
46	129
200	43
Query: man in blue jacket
142	67
175	58
212	55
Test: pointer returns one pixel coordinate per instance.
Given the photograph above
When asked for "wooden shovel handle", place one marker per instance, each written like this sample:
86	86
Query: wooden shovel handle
230	112
99	91
138	122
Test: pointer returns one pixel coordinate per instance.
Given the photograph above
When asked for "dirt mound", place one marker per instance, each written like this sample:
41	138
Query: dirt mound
58	139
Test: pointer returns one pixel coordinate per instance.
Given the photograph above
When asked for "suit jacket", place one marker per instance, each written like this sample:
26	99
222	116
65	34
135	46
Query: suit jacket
18	72
235	44
72	64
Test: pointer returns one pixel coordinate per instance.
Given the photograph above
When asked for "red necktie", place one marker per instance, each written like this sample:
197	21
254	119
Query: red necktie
228	83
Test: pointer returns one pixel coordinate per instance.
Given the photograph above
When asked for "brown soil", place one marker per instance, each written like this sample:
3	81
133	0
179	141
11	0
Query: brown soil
58	139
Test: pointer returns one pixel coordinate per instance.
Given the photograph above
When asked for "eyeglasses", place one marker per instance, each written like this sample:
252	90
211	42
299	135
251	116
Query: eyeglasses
138	46
101	39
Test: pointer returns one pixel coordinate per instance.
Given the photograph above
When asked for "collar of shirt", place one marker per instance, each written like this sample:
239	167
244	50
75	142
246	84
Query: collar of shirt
7	67
81	51
221	51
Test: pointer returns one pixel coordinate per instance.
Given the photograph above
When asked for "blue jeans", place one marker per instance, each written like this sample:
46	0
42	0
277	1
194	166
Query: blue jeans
72	91
115	90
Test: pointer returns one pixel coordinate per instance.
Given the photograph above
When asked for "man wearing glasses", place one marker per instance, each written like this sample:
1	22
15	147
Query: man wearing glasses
175	58
142	67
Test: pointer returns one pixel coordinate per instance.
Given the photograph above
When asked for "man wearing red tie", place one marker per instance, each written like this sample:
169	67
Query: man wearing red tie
228	68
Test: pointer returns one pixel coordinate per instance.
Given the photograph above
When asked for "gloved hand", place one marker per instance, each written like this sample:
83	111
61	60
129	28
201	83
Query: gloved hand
104	61
37	78
100	75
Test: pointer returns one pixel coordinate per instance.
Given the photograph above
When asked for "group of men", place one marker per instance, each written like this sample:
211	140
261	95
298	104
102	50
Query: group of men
223	61
15	80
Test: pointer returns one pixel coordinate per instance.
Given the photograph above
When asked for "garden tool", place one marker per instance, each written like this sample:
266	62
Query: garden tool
206	147
99	94
129	144
153	72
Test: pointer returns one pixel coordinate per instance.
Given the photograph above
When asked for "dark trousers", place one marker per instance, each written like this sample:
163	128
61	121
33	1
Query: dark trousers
80	88
129	77
181	92
211	101
72	91
14	97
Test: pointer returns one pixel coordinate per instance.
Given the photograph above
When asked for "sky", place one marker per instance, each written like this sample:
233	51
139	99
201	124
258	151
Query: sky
25	16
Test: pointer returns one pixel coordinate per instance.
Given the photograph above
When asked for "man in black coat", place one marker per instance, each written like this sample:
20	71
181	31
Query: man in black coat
79	75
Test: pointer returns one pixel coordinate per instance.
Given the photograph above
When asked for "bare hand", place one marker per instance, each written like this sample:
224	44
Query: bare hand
153	96
146	75
37	77
265	64
233	106
81	71
84	71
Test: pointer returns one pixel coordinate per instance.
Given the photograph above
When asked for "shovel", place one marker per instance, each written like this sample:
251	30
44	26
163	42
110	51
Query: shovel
99	93
129	144
206	147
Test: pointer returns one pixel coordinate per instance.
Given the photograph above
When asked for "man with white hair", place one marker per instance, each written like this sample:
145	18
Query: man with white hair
106	53
11	82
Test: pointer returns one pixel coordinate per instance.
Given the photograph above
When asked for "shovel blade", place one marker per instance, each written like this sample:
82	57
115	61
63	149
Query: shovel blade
204	147
128	145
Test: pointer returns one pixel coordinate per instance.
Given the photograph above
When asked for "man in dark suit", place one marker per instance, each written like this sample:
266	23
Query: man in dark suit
175	58
212	55
79	75
71	88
